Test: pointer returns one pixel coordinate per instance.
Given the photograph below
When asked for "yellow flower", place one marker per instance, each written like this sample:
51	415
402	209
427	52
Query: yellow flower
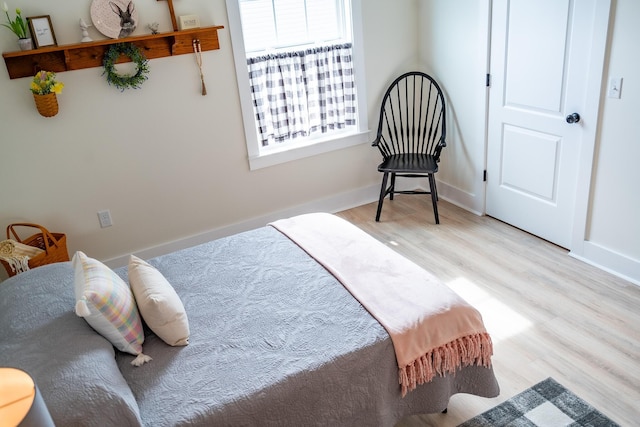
57	88
44	82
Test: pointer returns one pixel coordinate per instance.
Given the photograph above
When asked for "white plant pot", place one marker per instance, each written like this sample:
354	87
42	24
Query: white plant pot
25	44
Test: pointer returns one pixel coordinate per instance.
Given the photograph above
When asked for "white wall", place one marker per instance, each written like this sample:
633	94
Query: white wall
453	46
453	37
613	229
168	162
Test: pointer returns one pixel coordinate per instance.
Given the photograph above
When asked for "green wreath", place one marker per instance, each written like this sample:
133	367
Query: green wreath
125	81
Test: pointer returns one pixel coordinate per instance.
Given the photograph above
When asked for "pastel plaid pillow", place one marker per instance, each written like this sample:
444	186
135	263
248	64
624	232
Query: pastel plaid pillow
107	304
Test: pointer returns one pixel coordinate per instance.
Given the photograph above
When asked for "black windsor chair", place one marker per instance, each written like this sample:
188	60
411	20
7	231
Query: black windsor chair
411	134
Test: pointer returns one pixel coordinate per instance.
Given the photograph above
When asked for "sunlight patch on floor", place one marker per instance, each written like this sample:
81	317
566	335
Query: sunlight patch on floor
500	320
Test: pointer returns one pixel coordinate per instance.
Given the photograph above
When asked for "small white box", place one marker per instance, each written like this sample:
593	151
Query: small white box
187	22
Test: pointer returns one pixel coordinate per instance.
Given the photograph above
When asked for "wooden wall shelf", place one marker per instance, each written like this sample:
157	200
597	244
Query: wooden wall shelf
87	55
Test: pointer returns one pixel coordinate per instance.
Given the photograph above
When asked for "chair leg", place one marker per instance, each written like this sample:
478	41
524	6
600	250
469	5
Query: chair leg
383	192
392	187
434	186
434	196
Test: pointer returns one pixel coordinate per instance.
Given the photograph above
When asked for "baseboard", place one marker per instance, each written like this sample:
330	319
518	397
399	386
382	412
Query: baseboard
332	204
462	199
610	261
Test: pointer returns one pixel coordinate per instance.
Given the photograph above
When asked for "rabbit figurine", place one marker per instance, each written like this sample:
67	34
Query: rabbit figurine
127	23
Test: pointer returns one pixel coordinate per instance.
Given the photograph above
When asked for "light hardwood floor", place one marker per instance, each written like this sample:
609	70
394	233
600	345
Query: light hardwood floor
549	314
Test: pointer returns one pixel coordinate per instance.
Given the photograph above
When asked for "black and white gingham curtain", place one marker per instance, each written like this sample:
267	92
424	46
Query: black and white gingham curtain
299	93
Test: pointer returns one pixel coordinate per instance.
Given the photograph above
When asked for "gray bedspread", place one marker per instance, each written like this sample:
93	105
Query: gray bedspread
72	365
275	341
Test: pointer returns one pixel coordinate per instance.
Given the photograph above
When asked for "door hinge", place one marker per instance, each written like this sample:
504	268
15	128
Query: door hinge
488	80
484	176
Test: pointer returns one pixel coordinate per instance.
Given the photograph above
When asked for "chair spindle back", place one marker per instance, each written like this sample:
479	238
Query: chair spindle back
412	117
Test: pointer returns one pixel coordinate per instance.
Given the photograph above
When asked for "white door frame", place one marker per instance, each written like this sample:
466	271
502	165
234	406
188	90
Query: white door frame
595	94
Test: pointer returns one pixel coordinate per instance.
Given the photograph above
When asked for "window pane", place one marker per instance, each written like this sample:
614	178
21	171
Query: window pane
258	24
291	22
279	24
324	19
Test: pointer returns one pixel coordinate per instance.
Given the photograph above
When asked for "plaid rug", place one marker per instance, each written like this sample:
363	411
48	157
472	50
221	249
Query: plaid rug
546	404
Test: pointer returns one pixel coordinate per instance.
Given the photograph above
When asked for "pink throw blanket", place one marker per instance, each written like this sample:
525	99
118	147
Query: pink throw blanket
433	330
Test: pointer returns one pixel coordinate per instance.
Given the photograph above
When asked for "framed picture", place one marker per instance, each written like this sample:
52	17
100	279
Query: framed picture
42	31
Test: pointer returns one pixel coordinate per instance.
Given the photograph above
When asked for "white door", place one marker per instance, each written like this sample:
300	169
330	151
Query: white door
540	64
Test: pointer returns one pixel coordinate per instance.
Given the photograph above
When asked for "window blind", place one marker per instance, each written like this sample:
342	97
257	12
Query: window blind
277	24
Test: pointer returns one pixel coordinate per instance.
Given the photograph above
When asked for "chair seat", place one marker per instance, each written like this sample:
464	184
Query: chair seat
409	163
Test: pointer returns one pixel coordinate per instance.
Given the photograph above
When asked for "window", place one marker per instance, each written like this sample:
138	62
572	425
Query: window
300	76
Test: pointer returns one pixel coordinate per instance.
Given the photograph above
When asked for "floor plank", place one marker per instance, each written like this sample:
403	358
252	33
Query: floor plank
550	315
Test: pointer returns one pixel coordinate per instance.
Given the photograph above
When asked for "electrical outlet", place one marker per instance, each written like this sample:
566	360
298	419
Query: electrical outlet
615	87
105	218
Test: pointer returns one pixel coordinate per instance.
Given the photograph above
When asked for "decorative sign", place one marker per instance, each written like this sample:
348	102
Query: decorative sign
188	22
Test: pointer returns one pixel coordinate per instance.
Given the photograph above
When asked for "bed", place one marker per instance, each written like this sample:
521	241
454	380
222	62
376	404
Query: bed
275	339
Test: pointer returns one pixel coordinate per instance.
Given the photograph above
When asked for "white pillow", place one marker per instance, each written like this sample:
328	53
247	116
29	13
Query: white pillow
107	304
159	304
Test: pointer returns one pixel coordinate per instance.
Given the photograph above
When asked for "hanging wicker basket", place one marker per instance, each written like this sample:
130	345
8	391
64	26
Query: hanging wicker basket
47	105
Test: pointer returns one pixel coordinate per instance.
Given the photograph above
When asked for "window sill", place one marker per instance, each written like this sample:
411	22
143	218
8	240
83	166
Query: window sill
312	149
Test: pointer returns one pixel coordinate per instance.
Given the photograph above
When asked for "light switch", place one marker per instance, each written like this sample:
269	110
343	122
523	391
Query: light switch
615	87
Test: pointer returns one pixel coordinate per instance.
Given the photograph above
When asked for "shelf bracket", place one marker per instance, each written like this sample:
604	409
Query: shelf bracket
172	12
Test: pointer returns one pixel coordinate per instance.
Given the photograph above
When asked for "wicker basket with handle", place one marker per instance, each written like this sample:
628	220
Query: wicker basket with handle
53	244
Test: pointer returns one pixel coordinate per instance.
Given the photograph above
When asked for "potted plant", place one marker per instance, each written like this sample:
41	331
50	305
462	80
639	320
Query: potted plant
19	27
44	88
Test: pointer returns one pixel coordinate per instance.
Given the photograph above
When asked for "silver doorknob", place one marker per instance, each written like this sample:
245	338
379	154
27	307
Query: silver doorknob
573	118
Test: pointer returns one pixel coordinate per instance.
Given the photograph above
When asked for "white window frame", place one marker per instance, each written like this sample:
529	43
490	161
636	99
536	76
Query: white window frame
264	157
